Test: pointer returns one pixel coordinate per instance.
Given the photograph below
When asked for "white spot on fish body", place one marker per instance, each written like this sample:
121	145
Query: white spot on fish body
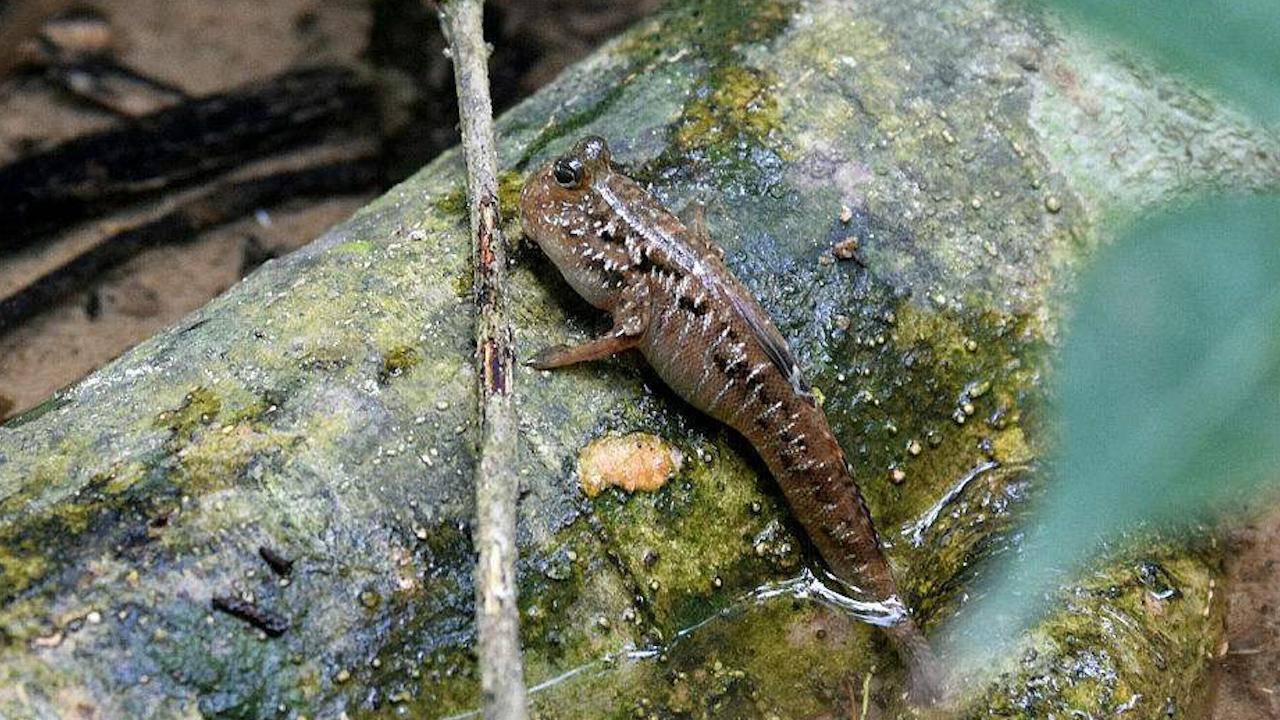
723	390
756	371
706	372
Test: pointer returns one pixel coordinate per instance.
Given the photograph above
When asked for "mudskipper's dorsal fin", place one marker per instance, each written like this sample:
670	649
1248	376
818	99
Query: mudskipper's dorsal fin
694	218
773	344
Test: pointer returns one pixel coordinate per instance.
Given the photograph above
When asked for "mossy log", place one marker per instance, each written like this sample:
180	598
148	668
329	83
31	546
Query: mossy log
323	409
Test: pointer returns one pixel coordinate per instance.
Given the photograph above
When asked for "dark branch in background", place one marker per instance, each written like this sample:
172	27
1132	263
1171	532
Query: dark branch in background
497	481
224	203
175	146
74	52
19	21
110	86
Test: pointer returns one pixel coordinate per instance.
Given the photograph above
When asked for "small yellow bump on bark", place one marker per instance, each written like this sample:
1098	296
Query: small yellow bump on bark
637	461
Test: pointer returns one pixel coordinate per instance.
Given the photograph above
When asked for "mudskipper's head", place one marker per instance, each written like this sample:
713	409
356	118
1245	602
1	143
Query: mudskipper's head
563	211
558	197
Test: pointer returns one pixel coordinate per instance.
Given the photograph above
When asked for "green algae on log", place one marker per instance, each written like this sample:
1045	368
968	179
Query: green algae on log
323	408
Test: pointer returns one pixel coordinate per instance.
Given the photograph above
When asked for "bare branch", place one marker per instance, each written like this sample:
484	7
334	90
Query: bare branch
497	482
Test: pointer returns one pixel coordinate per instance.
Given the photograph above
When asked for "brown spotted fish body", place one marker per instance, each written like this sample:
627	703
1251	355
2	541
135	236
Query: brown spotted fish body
673	299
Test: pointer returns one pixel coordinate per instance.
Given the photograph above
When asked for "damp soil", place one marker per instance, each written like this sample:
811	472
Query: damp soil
1249	672
201	48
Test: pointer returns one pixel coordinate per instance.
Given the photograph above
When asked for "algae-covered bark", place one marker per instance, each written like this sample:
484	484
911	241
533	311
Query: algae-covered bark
323	409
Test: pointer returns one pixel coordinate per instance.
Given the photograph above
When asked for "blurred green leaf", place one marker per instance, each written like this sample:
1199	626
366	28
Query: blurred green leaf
1231	45
1170	386
1168	396
1169	389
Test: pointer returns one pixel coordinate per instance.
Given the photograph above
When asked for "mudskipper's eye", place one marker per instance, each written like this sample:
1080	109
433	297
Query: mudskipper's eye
568	172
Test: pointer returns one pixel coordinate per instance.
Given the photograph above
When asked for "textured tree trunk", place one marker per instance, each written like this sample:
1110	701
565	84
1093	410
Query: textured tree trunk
324	409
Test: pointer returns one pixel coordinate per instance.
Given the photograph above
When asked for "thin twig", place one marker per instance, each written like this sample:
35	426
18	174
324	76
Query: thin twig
497	483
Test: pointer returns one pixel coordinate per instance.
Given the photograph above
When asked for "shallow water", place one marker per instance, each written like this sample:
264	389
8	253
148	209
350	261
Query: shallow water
804	586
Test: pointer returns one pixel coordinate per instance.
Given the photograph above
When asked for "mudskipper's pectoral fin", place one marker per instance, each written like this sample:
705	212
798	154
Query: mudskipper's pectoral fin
602	347
630	321
694	217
